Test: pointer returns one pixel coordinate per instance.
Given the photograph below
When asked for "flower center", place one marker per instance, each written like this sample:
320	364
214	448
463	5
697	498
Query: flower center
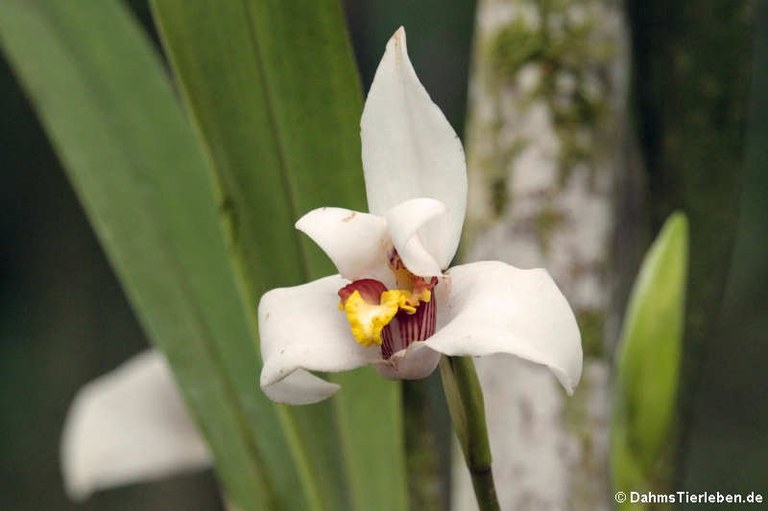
372	310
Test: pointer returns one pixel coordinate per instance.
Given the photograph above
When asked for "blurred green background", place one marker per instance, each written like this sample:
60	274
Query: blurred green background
700	108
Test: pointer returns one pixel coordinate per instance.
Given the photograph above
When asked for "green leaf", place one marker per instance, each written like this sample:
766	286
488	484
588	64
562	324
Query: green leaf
648	359
103	98
273	92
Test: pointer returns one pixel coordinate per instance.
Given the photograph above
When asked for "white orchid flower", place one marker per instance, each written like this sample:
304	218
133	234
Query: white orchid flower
400	309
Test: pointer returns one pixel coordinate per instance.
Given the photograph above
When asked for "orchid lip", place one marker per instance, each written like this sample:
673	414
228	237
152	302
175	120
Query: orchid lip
390	318
417	326
410	328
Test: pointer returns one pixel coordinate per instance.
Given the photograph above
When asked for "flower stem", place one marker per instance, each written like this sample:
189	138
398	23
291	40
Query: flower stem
465	403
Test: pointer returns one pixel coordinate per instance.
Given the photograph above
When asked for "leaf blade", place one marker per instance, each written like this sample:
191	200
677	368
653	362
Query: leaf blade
310	134
146	188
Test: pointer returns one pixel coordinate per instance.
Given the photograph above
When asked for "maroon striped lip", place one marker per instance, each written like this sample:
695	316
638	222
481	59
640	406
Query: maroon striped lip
413	322
406	329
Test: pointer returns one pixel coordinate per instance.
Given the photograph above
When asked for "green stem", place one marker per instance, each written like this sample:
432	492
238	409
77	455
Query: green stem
465	404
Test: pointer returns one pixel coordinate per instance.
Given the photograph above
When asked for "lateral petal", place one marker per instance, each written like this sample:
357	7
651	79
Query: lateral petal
355	242
127	426
404	221
410	150
496	308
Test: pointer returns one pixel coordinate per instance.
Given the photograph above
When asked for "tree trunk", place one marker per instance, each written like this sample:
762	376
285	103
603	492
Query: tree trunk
547	158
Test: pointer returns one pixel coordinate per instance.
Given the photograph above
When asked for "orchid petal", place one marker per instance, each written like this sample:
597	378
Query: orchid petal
413	363
404	222
127	426
300	388
410	150
301	328
496	308
354	241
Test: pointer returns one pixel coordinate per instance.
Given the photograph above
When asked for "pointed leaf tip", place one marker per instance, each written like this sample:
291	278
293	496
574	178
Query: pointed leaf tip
648	357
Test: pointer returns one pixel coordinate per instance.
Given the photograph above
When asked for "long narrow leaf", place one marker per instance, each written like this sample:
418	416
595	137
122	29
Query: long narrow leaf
103	98
273	91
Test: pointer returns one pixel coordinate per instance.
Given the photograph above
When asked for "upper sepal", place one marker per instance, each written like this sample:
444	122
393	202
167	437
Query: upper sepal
410	150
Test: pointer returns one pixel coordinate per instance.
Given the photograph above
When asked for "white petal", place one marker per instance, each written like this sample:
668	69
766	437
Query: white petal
300	388
354	241
127	426
497	308
404	222
302	328
413	363
410	150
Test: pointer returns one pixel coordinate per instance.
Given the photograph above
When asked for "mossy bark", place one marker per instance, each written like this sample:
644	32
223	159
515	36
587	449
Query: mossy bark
546	158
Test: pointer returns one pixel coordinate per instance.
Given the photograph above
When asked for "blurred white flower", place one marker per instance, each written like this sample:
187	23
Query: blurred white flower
128	426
